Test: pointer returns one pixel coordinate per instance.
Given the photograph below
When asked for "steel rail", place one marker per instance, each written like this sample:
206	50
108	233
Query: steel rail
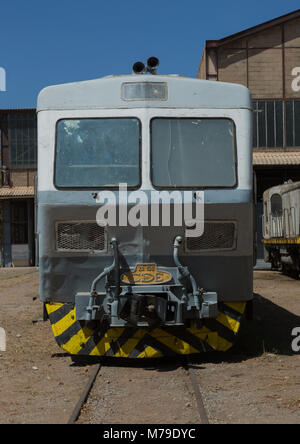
199	400
84	395
187	367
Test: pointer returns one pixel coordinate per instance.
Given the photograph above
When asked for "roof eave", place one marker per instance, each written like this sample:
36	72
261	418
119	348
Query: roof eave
258	28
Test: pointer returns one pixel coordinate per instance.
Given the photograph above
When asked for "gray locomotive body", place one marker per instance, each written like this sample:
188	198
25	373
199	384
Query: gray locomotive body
282	227
117	278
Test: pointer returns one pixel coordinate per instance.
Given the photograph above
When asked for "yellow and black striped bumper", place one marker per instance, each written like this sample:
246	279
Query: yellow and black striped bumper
129	342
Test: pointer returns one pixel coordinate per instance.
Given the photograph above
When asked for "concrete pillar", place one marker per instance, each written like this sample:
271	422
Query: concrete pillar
1	236
30	227
6	214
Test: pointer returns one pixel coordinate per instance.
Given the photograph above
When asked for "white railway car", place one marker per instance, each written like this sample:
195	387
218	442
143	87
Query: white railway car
282	227
143	290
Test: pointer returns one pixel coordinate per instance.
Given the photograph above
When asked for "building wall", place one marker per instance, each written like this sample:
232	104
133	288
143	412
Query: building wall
263	62
268	63
22	178
18	163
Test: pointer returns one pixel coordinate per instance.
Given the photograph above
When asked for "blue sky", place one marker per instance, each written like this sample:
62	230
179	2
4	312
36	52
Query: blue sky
51	42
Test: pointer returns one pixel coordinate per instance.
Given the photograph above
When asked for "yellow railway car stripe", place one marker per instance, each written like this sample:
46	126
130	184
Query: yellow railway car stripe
174	343
77	342
228	322
101	348
51	308
104	344
207	335
62	325
280	241
213	339
150	352
130	344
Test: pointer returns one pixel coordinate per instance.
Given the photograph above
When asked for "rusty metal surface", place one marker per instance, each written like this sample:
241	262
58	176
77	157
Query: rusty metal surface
276	158
15	192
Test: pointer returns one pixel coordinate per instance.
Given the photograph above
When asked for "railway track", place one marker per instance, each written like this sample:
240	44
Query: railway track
84	395
198	396
159	390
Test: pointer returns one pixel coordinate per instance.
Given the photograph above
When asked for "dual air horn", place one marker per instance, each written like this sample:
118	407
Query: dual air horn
152	65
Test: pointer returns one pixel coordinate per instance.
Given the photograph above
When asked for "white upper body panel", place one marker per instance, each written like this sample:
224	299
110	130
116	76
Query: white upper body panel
181	92
47	121
183	98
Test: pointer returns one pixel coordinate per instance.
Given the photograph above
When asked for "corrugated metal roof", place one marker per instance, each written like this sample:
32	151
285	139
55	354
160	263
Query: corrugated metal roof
276	158
16	192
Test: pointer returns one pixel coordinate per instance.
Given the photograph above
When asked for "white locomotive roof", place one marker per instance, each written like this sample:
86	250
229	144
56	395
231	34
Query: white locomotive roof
183	92
281	189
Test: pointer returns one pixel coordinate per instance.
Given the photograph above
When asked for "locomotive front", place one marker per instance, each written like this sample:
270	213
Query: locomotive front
145	214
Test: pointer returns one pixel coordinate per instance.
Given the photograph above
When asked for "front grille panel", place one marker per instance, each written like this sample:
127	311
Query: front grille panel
80	237
216	236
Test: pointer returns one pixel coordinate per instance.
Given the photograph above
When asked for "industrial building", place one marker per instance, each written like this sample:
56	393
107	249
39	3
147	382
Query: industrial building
266	59
18	171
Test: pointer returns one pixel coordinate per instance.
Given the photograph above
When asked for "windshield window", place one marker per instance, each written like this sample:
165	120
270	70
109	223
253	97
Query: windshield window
95	153
193	152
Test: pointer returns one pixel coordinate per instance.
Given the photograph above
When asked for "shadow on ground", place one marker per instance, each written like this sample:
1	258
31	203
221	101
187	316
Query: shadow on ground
270	331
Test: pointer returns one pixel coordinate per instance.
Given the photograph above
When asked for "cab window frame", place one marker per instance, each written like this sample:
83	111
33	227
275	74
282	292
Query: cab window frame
105	187
194	187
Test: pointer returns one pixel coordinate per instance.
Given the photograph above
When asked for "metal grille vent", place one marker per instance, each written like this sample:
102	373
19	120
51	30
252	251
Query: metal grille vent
216	236
80	236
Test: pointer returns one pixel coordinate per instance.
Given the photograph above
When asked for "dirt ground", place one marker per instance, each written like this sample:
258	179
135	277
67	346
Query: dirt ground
257	382
38	383
154	394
